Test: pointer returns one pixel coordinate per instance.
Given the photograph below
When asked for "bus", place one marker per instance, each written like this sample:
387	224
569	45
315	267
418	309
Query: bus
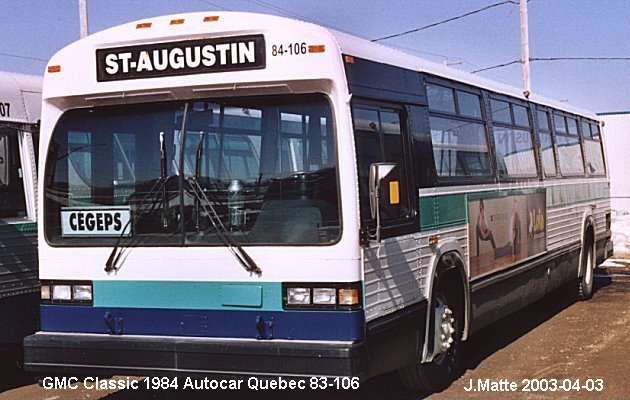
235	194
20	106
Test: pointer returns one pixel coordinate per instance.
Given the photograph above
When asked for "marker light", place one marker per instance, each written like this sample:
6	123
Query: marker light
348	59
177	21
213	18
324	296
45	292
61	292
82	292
144	25
54	68
320	48
348	297
298	296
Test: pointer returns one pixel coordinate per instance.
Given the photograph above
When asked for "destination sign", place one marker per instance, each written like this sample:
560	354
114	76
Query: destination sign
181	58
95	221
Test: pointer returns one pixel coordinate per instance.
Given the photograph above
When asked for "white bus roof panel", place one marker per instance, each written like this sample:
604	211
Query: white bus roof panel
77	61
21	97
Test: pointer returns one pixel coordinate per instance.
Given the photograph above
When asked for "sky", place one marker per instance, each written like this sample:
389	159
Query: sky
35	29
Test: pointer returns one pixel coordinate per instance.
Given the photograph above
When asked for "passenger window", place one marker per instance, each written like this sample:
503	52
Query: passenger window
586	129
595	131
521	117
469	105
547	155
572	125
501	111
561	126
543	121
515	152
594	157
569	155
441	98
459	147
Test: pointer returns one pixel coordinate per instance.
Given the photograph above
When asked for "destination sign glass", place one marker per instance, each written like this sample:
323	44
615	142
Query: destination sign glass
181	58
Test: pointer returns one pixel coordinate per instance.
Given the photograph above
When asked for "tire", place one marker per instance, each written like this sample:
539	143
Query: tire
438	374
587	265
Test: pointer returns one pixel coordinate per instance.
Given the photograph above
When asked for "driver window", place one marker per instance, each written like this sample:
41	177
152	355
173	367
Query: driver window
379	136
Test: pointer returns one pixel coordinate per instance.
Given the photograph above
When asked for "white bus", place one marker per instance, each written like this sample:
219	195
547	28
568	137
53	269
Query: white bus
20	105
240	194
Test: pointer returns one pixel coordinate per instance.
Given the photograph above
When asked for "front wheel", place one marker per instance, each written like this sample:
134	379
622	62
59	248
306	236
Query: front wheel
587	265
436	375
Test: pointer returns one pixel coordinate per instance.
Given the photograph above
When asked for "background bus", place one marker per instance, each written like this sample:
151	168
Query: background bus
20	105
273	198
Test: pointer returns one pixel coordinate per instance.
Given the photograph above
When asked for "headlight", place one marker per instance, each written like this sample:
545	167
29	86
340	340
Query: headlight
45	292
82	292
58	292
348	297
61	292
324	296
296	296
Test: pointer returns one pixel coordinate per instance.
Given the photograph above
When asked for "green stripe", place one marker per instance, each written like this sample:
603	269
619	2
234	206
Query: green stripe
442	211
566	195
18	227
189	295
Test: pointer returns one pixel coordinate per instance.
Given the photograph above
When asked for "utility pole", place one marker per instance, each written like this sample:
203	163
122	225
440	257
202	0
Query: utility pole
83	18
527	84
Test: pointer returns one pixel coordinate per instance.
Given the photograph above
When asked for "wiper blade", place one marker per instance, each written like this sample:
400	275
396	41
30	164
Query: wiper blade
239	253
159	185
117	251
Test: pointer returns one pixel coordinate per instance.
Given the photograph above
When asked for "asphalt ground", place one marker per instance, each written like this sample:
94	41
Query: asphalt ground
554	348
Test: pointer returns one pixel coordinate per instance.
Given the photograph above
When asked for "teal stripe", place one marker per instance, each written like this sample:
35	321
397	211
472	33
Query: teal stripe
265	296
18	227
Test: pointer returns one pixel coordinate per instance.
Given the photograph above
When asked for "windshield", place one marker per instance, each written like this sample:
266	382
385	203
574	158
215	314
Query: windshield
263	168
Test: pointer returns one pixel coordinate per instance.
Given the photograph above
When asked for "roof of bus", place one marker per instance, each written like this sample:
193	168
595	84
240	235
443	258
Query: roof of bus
23	95
358	47
162	27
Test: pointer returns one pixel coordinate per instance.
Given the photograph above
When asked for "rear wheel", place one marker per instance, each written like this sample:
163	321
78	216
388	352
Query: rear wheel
587	265
447	318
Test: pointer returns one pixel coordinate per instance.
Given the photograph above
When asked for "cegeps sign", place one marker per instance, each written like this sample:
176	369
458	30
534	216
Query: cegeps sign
181	58
95	221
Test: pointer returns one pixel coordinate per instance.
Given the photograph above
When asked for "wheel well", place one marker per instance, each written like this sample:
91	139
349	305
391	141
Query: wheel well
452	276
589	235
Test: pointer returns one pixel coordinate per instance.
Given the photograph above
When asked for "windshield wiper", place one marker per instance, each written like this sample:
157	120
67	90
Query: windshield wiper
201	199
239	253
158	186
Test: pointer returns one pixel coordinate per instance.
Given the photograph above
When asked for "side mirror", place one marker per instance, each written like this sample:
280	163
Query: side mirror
378	172
5	170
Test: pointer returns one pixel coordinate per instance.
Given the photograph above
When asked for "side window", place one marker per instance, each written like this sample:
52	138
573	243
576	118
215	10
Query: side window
569	155
500	111
12	201
459	147
515	152
513	144
568	145
547	155
379	138
593	152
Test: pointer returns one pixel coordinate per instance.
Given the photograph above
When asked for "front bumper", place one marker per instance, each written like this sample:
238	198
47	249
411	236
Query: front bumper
101	354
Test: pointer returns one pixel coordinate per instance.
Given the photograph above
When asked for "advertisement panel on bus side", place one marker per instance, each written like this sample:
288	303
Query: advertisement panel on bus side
504	230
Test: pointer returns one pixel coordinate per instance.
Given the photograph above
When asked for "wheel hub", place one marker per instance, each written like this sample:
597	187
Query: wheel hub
444	328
